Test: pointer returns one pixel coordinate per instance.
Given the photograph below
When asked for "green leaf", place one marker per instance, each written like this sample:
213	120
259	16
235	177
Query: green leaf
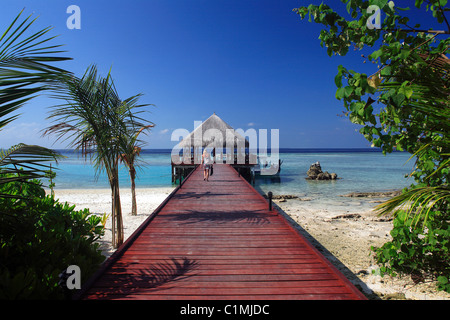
442	280
407	91
338	80
418	3
404	54
398	99
340	93
376	54
354	106
379	3
386	71
348	91
428	165
375	131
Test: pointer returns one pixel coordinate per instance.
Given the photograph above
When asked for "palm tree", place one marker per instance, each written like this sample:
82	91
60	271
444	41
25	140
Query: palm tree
96	121
129	157
24	73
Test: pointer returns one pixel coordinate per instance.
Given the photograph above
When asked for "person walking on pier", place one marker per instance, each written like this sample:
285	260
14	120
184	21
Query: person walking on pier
206	162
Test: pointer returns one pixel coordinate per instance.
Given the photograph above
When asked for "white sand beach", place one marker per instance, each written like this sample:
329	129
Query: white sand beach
99	202
343	232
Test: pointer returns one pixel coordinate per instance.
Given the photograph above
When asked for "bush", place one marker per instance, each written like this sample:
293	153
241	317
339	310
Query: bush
404	105
422	251
39	238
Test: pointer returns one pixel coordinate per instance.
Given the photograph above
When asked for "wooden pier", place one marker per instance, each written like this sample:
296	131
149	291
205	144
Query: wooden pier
217	240
213	135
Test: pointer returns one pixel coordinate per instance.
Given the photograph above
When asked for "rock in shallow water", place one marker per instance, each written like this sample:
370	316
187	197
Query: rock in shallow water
315	173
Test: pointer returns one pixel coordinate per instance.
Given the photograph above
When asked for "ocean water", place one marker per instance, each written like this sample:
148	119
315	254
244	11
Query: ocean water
359	170
75	172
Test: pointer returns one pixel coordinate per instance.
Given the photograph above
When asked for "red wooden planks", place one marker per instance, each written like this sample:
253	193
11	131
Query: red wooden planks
218	240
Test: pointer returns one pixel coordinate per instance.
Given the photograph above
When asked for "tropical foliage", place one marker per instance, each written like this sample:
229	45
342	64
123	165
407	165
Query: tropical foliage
403	105
129	157
24	162
41	237
98	123
25	71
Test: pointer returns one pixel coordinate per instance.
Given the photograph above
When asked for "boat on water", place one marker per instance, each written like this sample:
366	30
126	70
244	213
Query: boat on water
266	167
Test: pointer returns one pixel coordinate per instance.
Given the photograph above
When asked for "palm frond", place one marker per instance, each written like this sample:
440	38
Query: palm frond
96	122
417	202
25	68
428	105
24	162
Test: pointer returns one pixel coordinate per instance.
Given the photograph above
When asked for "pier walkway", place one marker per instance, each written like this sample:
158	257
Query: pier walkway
217	240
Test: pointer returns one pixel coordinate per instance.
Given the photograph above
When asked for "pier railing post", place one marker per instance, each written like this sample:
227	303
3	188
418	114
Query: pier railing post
270	200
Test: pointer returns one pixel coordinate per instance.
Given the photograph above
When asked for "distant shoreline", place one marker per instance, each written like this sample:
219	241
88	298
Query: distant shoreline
355	166
281	150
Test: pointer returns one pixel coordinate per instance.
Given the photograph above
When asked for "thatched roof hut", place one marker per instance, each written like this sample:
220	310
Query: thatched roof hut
214	133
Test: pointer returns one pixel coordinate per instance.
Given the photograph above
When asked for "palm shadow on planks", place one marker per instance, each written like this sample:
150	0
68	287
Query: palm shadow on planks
155	277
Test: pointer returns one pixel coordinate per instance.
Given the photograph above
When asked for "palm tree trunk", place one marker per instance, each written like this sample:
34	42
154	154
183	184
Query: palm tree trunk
113	218
117	222
133	192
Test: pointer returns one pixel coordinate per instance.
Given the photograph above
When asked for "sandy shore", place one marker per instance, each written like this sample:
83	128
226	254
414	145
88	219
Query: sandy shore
342	230
344	233
99	202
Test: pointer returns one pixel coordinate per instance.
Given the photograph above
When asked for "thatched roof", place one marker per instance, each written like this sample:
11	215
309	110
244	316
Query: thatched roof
214	132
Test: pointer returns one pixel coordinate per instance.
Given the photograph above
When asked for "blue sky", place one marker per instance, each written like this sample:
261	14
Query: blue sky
253	62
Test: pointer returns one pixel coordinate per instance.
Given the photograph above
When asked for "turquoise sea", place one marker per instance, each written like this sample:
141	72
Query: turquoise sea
359	170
